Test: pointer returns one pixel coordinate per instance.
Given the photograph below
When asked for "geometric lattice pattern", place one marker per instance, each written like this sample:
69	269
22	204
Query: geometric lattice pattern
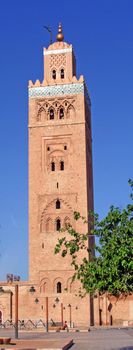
57	60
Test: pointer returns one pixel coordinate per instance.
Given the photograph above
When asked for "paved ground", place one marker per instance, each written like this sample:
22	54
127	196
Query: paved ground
40	344
109	339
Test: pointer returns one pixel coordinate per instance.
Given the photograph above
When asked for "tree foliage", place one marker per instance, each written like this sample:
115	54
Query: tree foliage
111	269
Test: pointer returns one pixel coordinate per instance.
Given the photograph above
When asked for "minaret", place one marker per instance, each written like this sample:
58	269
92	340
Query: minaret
60	164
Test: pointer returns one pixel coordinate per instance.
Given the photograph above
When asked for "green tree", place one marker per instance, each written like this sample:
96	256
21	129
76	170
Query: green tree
111	269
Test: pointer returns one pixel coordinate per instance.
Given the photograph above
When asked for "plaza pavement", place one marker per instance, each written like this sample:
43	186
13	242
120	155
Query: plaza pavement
99	339
38	344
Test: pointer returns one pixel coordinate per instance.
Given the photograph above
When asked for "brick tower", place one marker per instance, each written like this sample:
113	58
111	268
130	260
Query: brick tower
60	170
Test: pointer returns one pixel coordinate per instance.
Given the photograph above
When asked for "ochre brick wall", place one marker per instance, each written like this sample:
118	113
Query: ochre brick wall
109	310
115	311
28	309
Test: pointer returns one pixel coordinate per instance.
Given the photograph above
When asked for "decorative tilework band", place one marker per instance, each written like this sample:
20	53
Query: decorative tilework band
55	52
58	90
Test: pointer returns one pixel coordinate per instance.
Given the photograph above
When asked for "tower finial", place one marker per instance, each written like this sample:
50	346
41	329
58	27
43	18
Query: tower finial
60	35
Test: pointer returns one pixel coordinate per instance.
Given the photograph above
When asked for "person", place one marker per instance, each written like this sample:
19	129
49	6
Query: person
65	326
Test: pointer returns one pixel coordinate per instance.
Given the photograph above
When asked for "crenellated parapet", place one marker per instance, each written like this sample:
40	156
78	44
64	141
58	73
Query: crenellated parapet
45	82
43	89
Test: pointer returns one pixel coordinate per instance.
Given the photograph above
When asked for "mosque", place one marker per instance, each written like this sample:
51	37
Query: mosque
60	182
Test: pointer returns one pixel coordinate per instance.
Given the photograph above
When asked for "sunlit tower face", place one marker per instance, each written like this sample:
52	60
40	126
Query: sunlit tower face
60	162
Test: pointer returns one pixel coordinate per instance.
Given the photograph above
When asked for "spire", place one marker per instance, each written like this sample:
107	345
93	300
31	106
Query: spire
60	35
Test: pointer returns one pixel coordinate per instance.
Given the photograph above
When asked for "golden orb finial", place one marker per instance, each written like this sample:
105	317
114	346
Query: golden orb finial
60	35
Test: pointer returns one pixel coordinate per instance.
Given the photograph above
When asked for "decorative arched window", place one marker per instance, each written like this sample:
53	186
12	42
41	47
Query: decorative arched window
41	114
59	287
61	165
61	113
43	288
53	166
51	113
58	225
62	73
54	74
57	204
49	225
71	112
45	285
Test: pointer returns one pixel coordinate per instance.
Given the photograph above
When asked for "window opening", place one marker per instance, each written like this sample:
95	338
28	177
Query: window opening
65	147
42	245
61	165
48	148
51	113
61	114
62	73
54	74
52	166
58	287
57	185
57	204
58	225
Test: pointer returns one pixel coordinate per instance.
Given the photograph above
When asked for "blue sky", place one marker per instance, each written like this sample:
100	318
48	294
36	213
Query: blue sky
102	35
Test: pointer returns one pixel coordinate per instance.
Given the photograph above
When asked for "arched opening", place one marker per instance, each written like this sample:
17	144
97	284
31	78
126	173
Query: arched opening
51	114
58	225
62	73
45	285
57	204
54	74
111	320
43	288
41	114
61	165
53	166
59	287
49	225
61	113
100	317
71	112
